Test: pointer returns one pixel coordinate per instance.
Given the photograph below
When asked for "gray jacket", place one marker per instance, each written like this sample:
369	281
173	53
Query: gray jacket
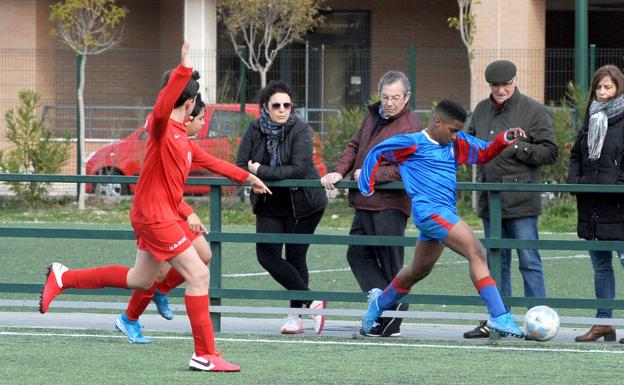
521	162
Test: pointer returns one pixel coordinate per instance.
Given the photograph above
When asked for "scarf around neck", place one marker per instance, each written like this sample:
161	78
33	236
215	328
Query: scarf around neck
600	113
274	134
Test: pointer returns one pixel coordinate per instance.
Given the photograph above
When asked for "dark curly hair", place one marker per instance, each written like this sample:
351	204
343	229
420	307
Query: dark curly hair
191	89
271	89
450	109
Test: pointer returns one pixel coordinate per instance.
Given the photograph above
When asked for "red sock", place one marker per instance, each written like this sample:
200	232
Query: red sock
197	308
139	301
97	277
172	280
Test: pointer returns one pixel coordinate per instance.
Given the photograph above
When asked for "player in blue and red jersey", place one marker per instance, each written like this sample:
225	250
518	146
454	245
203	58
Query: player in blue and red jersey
154	215
428	163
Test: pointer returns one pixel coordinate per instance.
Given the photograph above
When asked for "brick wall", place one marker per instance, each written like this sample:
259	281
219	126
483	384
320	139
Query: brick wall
441	60
511	30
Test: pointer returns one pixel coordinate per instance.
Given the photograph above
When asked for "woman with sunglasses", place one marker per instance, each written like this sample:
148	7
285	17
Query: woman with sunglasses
277	146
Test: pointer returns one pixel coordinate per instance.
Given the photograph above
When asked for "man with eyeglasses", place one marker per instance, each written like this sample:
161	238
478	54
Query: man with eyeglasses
520	163
386	212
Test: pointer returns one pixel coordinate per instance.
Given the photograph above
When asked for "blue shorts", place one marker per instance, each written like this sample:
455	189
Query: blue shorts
437	225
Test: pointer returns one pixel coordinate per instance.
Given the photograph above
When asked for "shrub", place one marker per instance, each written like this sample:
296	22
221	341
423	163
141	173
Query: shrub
338	133
33	151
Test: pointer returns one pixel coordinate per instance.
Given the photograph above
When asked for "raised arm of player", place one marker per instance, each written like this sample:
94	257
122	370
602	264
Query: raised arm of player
227	169
397	149
169	94
471	150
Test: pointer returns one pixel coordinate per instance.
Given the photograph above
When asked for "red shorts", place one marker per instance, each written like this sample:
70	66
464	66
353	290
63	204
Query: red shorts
164	240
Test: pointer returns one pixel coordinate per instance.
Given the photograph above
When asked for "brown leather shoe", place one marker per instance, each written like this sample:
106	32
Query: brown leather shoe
597	331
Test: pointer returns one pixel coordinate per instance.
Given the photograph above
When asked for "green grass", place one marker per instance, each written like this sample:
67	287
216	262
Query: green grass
31	356
560	216
96	357
568	273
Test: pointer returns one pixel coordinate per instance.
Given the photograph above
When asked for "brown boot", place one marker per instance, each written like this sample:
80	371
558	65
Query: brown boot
597	331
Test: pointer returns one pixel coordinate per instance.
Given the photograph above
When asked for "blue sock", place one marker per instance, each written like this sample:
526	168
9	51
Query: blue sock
391	295
493	300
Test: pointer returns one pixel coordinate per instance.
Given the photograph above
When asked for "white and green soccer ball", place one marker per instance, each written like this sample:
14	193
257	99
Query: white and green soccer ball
541	323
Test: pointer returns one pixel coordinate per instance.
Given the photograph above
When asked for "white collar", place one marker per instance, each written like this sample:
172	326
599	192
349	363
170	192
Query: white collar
429	137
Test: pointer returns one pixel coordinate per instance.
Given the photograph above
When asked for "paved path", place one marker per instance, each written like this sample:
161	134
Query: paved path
155	323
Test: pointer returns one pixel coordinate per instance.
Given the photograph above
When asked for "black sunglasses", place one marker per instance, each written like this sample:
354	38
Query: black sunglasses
276	106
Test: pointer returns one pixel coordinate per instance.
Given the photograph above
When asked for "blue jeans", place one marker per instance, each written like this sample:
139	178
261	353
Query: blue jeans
530	260
604	279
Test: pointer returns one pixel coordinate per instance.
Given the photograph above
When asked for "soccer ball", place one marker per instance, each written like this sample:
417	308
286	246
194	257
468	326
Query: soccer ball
541	323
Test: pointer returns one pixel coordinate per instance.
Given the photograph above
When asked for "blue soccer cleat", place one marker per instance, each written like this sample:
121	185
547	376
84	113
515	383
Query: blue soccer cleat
372	313
162	304
132	330
505	325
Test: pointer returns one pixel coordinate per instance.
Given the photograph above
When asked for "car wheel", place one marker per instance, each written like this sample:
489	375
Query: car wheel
111	189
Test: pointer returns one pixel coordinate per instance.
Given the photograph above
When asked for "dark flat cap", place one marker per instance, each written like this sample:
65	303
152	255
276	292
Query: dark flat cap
500	71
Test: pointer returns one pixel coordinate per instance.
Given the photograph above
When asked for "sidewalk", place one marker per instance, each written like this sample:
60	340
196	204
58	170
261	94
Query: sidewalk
154	323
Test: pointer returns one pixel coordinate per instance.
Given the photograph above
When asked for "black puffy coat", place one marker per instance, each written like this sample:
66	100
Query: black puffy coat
295	152
600	216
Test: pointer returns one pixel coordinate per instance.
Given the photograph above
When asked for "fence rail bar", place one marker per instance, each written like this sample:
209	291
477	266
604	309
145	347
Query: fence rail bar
216	236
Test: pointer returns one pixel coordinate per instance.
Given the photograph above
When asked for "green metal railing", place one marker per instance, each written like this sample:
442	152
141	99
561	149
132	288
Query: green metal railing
217	237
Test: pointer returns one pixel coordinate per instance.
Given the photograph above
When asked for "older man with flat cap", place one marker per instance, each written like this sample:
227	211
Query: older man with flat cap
507	107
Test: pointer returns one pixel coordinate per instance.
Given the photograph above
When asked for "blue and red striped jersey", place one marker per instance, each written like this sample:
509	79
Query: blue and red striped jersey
428	169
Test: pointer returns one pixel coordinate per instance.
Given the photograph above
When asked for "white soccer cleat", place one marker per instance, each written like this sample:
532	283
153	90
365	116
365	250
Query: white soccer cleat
319	319
198	363
293	325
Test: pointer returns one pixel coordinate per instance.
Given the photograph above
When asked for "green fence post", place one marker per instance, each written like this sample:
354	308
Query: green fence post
243	80
412	75
215	246
495	232
592	60
580	45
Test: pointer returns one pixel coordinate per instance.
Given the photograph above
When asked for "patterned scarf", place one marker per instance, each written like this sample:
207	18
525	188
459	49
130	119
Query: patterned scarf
274	134
600	113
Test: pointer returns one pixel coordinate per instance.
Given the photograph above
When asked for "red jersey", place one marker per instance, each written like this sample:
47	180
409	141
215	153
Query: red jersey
168	158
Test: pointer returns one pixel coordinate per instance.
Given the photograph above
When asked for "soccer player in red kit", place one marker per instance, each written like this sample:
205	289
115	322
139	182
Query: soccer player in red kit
154	217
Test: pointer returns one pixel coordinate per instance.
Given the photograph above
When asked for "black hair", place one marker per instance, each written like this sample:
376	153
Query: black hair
199	104
271	89
191	89
449	109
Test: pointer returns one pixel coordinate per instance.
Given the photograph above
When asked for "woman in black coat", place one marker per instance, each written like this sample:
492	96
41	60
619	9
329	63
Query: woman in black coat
279	146
597	158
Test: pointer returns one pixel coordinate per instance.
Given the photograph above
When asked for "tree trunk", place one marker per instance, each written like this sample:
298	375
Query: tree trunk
81	128
263	74
473	104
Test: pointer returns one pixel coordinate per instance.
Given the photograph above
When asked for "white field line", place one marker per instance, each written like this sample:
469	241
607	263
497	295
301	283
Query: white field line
334	343
240	275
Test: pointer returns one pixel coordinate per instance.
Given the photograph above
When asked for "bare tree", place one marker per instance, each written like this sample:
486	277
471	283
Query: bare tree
88	27
264	27
466	25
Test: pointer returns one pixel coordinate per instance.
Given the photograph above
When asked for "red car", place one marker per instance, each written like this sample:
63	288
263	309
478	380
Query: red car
218	137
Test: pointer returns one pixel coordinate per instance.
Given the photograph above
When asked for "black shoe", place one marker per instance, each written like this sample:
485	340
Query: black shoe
391	327
481	331
374	332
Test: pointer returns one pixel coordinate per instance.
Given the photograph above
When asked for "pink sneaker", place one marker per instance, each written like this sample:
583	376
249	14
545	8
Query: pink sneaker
52	287
211	363
319	319
293	325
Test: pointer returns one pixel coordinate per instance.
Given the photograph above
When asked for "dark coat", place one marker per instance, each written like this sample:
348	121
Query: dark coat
295	152
372	132
521	162
600	216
